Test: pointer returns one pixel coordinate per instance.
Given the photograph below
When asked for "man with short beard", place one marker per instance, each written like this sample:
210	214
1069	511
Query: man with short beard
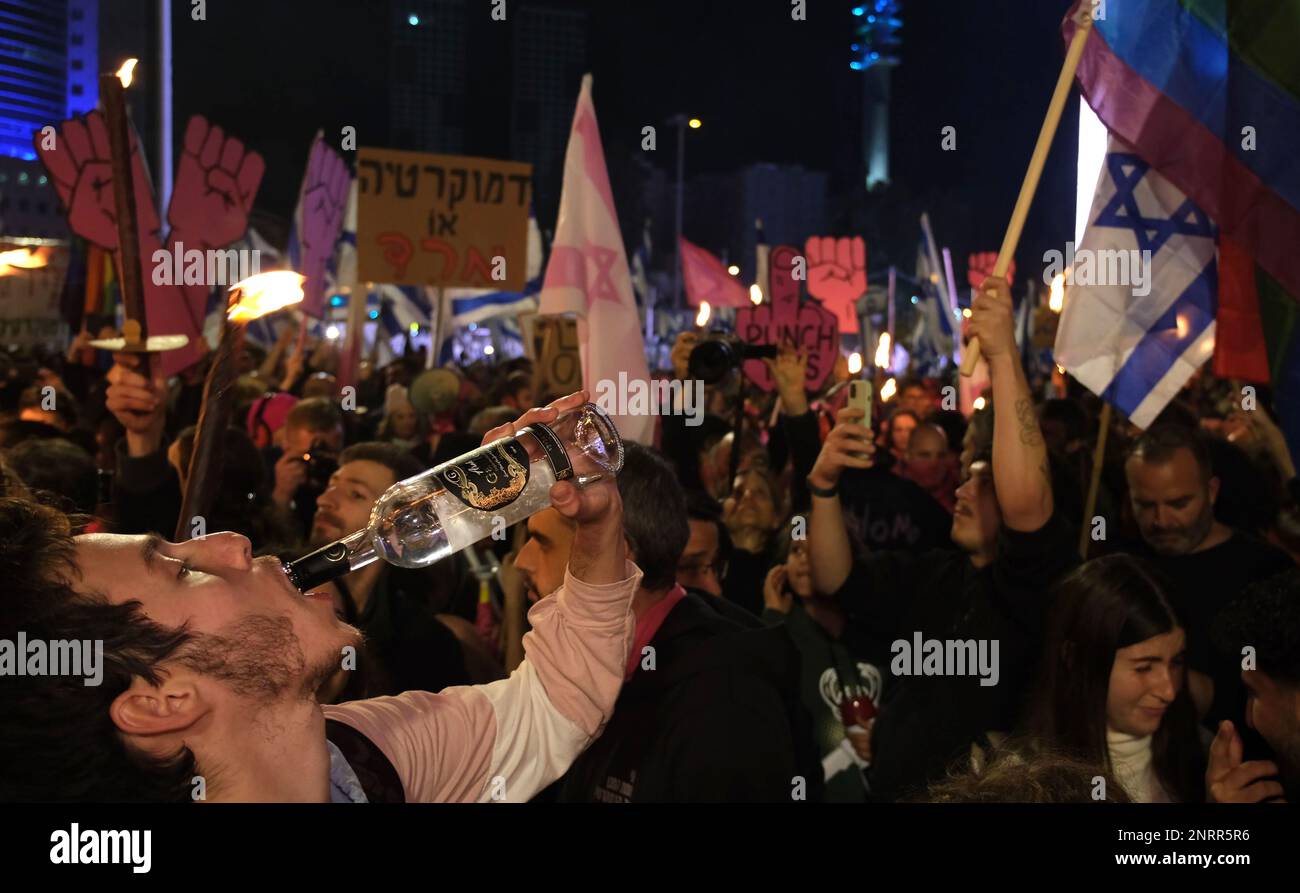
212	660
1172	490
411	642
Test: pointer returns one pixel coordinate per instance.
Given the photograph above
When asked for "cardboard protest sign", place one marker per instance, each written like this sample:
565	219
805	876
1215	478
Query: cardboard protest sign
442	219
837	275
31	282
559	369
808	327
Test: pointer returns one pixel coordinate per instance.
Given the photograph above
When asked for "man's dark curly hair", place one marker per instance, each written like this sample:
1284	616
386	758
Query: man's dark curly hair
57	740
1266	616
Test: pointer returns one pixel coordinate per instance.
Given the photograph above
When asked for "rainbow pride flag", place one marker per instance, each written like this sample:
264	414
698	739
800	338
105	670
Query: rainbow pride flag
1208	93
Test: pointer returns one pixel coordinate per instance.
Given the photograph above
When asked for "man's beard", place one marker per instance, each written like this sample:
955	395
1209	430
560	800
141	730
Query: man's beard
319	537
261	658
1183	540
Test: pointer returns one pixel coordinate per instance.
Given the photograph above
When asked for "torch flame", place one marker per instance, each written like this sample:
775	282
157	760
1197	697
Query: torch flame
979	403
702	318
855	363
265	293
756	294
883	350
1056	297
125	72
887	390
22	259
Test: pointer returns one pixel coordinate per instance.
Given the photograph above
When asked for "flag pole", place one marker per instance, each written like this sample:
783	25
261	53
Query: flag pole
1082	18
1098	459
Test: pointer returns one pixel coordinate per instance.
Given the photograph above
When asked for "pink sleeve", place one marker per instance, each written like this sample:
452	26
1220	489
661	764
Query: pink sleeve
509	739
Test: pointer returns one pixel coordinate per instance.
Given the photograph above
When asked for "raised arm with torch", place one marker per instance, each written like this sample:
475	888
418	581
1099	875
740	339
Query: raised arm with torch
135	328
250	299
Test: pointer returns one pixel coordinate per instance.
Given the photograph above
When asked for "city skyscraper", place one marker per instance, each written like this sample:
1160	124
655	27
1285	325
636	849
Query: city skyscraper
48	68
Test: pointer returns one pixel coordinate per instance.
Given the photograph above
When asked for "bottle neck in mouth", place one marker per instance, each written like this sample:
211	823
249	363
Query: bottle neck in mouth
327	563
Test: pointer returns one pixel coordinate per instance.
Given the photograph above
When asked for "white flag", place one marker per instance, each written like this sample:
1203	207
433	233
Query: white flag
588	273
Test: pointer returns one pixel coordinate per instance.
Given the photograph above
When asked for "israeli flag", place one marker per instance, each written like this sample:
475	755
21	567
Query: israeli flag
1140	291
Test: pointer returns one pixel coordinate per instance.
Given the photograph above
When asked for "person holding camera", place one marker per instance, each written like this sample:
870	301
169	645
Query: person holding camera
312	440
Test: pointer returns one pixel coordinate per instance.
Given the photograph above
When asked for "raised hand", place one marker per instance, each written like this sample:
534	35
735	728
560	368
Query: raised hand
324	197
979	266
789	370
681	354
599	553
1229	780
775	595
784	319
216	180
80	165
849	445
992	318
837	275
138	400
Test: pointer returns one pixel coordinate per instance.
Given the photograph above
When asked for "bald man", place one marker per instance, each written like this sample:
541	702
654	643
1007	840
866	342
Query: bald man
929	464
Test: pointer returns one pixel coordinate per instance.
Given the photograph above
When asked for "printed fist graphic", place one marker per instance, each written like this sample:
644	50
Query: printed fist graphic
837	275
216	180
808	328
80	164
979	266
324	197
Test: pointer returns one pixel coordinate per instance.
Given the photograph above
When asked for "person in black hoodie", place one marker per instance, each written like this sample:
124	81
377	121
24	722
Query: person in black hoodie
710	710
994	593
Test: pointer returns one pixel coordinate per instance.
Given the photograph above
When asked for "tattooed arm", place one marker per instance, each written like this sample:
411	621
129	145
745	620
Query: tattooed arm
1020	471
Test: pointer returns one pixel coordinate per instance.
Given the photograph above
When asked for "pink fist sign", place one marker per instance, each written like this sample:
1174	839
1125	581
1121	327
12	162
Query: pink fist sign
322	200
837	275
80	164
808	327
216	180
979	266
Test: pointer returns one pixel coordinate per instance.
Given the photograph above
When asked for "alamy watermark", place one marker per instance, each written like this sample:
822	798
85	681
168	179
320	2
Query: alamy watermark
181	266
59	657
1101	266
946	657
90	847
658	397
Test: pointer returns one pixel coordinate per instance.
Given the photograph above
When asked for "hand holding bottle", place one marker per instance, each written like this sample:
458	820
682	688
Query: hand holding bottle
599	552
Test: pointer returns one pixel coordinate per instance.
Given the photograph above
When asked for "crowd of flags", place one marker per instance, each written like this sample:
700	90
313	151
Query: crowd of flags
1215	206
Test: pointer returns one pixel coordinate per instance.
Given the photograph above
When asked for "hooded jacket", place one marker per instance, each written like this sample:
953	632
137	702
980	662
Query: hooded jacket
717	719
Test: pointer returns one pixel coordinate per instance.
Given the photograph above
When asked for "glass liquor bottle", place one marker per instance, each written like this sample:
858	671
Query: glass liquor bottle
439	512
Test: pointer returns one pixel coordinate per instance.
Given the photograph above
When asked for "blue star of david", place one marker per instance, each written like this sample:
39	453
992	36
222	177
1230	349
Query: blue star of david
1126	171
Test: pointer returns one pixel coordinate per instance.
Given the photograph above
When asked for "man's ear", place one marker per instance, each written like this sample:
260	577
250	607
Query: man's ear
149	710
1214	490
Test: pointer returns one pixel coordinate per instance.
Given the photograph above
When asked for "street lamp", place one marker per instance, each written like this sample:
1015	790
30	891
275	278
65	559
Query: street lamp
681	122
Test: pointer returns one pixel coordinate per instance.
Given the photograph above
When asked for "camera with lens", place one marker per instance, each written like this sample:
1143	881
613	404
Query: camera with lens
322	462
717	354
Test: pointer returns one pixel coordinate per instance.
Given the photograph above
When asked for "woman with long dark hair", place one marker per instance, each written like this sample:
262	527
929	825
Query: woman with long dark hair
1112	690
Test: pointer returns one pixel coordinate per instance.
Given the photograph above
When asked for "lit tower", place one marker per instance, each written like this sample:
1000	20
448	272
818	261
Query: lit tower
875	52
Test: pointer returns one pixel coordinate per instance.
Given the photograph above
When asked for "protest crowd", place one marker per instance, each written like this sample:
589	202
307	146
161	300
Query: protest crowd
769	599
814	578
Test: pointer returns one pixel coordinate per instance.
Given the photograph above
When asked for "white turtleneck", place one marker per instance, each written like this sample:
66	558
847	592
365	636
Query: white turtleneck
1131	758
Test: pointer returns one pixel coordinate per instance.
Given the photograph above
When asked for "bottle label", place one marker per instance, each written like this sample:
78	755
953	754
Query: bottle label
556	454
489	478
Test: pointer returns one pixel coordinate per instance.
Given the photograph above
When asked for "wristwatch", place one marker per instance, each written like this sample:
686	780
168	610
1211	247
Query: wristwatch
823	492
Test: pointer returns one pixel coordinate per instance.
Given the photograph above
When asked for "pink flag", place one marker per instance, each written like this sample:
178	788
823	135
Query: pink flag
707	280
588	275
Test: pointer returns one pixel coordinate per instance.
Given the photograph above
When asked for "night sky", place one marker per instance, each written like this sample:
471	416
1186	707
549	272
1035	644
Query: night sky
768	89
